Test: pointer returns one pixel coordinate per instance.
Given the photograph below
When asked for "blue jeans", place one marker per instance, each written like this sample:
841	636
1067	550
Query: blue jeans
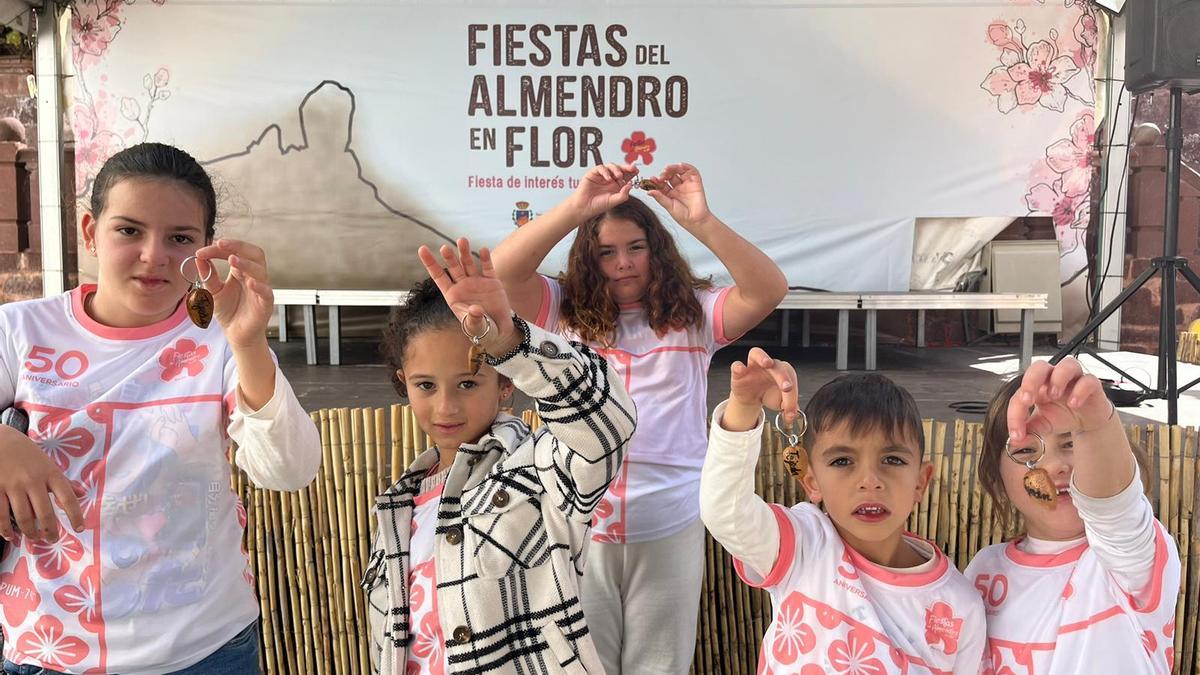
239	656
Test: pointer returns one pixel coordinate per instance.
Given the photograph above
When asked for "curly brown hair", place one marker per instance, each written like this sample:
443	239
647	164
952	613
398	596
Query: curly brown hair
995	434
588	308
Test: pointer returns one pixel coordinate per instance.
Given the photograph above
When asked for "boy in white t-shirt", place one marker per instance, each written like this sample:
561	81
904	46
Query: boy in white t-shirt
851	591
1091	586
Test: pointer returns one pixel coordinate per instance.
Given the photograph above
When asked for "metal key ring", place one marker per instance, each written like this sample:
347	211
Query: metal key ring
793	439
1008	450
487	328
198	280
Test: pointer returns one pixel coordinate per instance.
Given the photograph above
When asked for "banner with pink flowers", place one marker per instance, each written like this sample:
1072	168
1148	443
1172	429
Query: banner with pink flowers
346	134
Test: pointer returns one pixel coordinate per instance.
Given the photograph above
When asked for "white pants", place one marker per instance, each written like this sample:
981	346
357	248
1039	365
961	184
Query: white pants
641	602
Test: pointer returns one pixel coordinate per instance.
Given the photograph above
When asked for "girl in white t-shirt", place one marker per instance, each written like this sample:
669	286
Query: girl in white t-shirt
630	294
851	591
1091	586
132	407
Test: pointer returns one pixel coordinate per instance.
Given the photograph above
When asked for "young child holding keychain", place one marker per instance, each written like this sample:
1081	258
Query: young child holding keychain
1092	585
851	591
131	408
477	560
630	294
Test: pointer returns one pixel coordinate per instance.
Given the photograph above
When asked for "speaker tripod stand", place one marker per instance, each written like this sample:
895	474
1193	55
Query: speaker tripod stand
1168	265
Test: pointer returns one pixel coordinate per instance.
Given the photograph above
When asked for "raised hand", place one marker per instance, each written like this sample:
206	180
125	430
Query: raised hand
682	195
603	187
473	293
1057	399
762	380
243	300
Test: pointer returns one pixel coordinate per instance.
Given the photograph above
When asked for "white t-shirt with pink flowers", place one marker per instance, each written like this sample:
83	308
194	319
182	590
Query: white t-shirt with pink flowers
1101	604
837	612
657	492
139	420
428	653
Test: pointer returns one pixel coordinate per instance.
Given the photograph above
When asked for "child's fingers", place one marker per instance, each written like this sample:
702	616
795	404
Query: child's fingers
476	323
6	529
1081	392
248	268
485	263
1018	416
453	266
244	249
47	519
22	512
435	270
1067	371
68	501
465	258
1033	384
758	357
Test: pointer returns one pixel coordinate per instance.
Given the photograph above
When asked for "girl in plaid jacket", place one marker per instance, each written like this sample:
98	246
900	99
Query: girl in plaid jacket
480	545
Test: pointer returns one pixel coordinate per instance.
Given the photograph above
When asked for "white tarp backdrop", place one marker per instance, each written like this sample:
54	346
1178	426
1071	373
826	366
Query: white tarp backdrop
348	133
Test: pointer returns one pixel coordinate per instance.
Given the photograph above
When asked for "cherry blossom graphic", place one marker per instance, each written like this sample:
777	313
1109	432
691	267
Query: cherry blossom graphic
20	596
639	148
61	441
793	637
81	599
1042	72
853	655
88	489
185	359
54	558
102	124
50	644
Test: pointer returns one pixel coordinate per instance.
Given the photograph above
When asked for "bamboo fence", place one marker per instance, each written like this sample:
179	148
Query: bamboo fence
308	549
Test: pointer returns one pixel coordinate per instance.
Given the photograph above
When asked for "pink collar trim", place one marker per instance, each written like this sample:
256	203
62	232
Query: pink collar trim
89	324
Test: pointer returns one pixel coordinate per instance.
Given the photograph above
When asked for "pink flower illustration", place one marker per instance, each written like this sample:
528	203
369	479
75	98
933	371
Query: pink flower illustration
54	558
185	359
1036	78
1064	209
853	655
1072	157
793	637
61	441
81	599
639	147
94	25
50	644
88	489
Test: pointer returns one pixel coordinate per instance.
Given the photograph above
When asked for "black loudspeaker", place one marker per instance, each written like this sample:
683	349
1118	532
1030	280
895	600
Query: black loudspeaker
1162	44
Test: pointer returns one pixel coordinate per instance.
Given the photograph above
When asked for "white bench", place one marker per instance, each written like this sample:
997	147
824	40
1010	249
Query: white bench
843	303
923	301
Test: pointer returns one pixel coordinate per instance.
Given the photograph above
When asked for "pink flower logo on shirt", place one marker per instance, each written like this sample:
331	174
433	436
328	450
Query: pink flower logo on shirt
854	654
50	644
81	600
942	626
792	636
61	441
54	557
185	359
828	618
427	644
18	593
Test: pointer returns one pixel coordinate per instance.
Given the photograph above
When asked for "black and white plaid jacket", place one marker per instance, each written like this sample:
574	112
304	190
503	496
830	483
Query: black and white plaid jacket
512	525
